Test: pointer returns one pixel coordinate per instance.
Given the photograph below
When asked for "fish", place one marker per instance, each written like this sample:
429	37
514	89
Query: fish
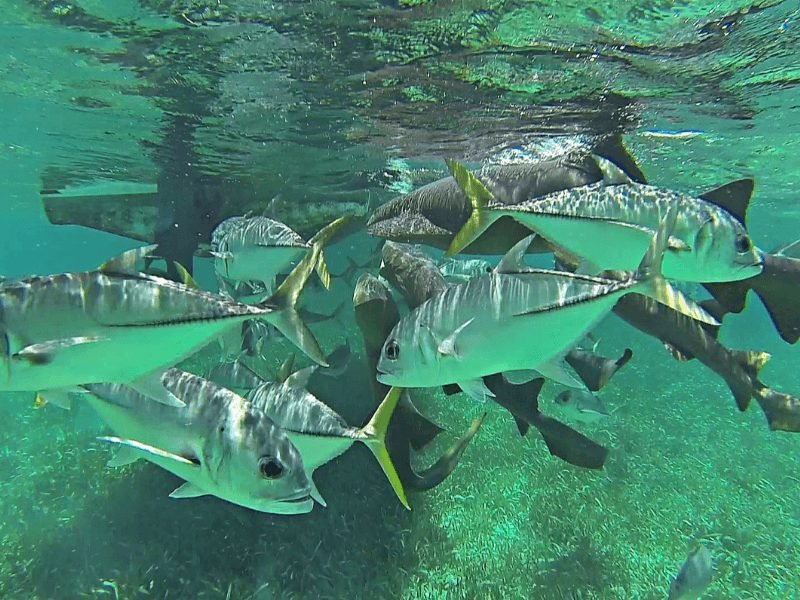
610	223
376	313
252	248
457	271
694	577
118	325
417	277
594	370
433	214
534	315
319	433
218	443
522	402
582	405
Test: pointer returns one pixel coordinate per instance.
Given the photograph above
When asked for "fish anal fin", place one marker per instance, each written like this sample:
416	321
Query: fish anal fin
476	389
125	455
733	197
188	490
513	260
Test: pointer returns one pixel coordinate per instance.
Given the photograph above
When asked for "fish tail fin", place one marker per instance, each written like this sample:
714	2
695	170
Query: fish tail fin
652	281
323	238
782	410
374	437
479	198
283	307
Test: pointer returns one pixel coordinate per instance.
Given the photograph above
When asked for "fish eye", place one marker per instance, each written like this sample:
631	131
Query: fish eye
270	468
392	350
743	244
487	268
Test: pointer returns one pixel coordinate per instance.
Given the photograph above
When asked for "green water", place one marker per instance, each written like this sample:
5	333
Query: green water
325	107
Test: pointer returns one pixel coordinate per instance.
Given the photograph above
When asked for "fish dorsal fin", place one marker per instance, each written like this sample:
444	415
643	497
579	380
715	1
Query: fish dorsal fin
513	261
612	174
186	277
299	379
733	197
286	368
128	261
188	490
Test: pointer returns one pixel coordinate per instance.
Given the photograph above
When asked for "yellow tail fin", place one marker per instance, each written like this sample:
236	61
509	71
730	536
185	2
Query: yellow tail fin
324	237
284	315
479	198
375	439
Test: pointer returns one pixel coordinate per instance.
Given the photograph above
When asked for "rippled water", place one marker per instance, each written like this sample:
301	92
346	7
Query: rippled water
317	108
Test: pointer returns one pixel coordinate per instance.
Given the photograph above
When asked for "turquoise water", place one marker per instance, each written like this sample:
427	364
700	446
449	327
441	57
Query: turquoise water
317	109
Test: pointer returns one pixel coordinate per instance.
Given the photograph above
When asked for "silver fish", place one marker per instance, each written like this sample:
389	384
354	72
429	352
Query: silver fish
513	319
218	442
258	248
582	405
694	577
608	224
458	271
318	432
117	325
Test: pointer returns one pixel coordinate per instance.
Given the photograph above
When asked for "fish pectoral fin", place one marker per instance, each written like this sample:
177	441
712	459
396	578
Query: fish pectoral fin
299	379
476	389
678	245
125	456
152	386
448	346
560	372
45	352
188	490
151	450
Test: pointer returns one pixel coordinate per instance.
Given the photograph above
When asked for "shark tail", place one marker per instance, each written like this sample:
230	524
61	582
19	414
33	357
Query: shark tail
322	238
283	307
479	198
374	437
653	284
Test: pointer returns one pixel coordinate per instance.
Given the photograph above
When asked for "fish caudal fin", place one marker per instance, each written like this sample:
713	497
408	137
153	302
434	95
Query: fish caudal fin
653	283
322	238
374	437
283	308
479	199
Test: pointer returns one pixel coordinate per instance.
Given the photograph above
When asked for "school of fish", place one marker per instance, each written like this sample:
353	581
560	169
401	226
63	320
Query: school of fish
497	330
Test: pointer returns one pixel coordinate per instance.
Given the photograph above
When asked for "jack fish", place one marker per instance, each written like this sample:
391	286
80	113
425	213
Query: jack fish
258	248
218	442
319	432
514	319
608	224
118	325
